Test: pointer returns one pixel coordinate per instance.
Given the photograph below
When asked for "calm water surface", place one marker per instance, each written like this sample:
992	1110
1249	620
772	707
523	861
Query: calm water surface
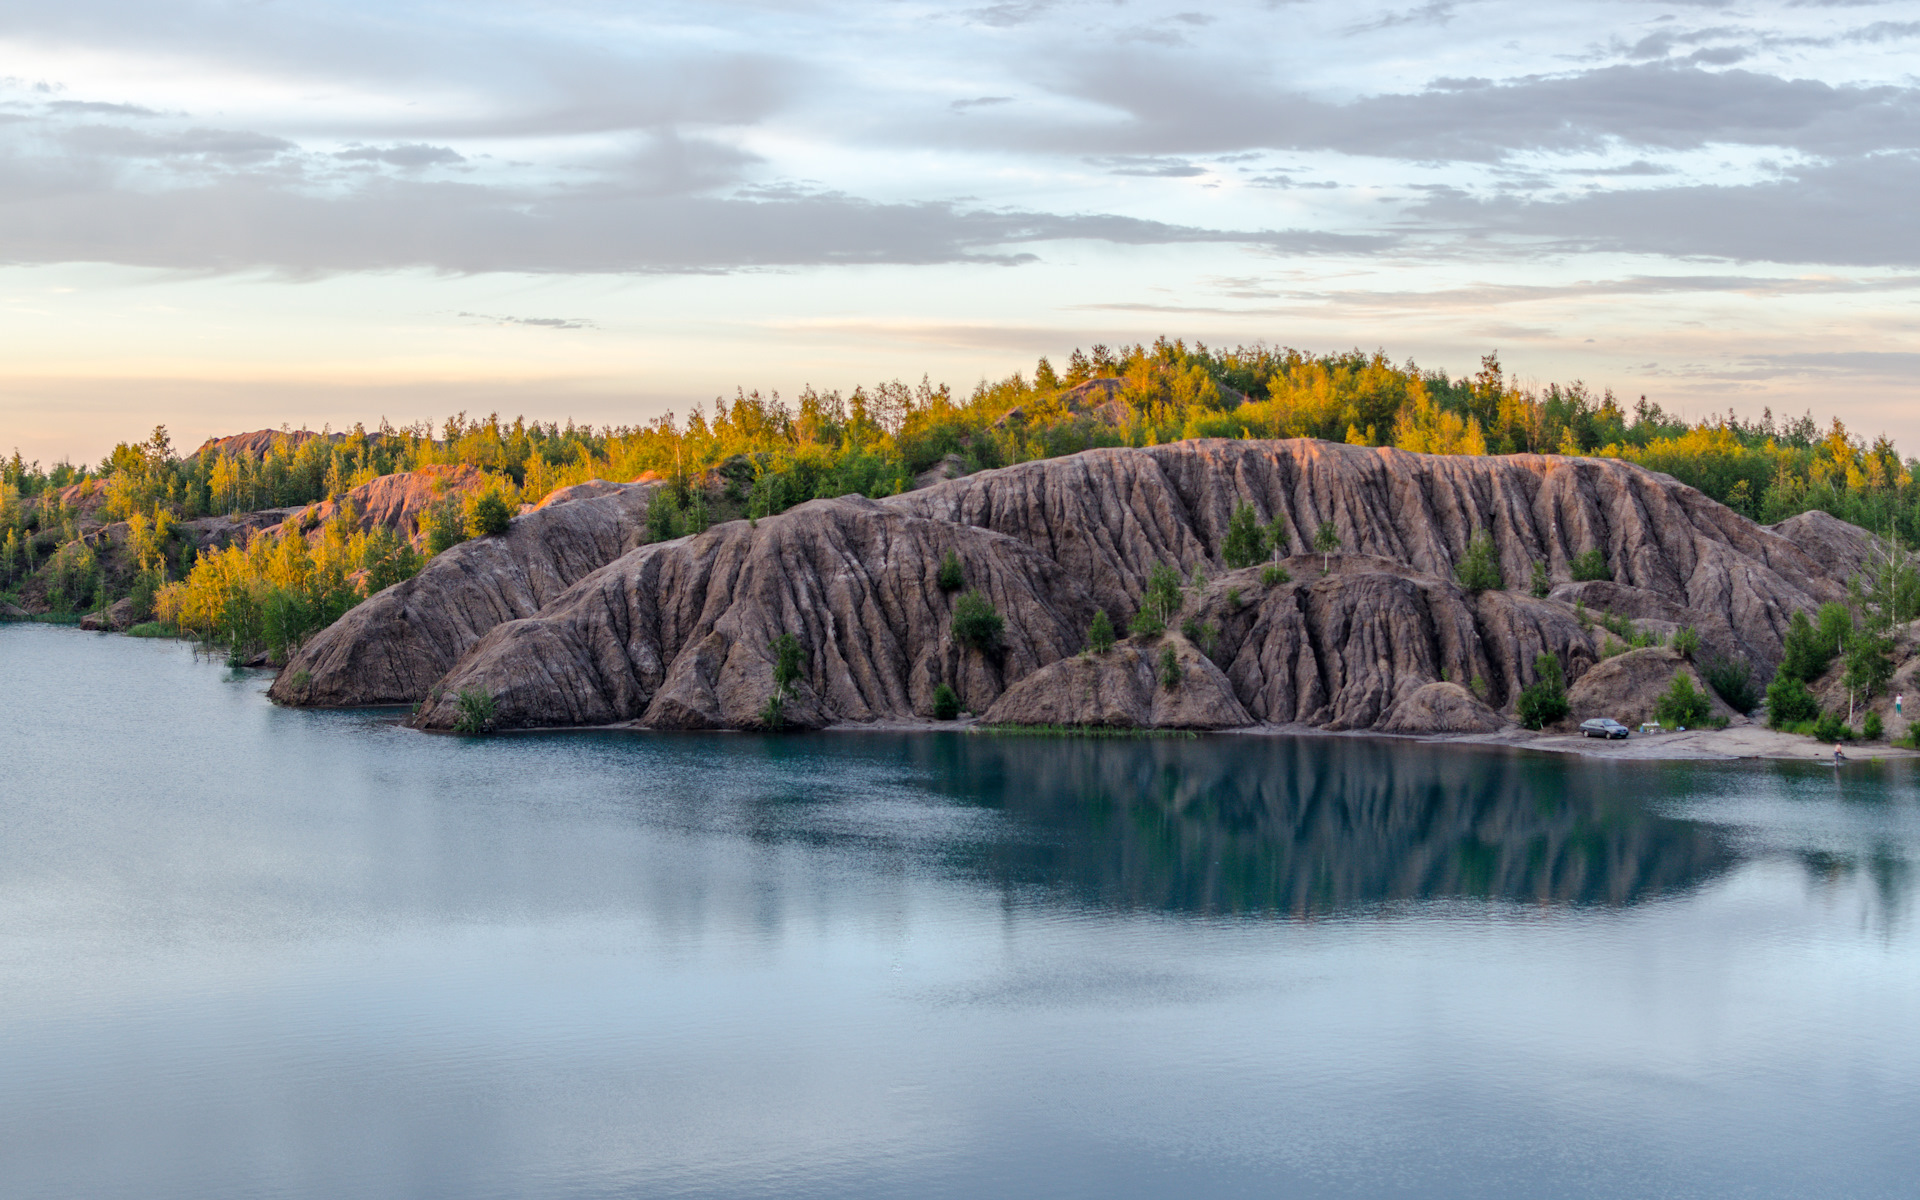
248	952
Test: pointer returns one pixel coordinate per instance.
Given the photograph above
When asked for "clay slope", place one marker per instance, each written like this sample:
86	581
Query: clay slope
397	501
1109	515
679	634
391	648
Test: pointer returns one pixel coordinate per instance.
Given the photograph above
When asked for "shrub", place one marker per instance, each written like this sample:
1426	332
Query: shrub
946	703
952	577
1686	642
1169	667
976	623
1732	679
773	714
1100	633
475	712
1832	728
1478	686
1581	614
445	526
1590	566
488	514
1234	600
1479	571
1543	701
1789	702
1873	728
1542	582
1274	575
1246	543
1682	704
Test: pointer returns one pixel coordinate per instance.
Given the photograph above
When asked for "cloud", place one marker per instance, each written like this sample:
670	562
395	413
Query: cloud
1158	168
962	106
410	156
100	107
535	322
1170	106
245	222
1855	212
1437	13
227	145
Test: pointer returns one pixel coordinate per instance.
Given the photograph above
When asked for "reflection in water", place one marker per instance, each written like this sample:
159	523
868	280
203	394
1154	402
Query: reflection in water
1317	825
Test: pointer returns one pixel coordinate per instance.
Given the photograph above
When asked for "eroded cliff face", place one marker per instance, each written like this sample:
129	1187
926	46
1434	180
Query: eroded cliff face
392	647
679	634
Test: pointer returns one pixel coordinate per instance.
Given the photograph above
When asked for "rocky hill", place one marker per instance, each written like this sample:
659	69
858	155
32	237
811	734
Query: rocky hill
679	634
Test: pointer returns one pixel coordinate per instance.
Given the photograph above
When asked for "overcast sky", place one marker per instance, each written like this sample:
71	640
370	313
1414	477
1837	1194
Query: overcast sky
235	213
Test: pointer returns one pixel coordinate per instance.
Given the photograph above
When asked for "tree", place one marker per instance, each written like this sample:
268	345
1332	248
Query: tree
789	661
1542	584
1543	701
1682	704
1479	570
1732	679
1247	543
1326	540
1160	603
1100	633
488	514
1591	565
946	703
976	624
1803	654
1170	671
952	576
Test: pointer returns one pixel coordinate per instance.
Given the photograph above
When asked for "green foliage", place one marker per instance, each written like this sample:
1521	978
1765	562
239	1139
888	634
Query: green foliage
1274	575
789	662
1832	727
1326	539
1803	654
152	629
1479	570
946	703
475	712
1732	680
1874	727
1686	642
1542	584
1247	542
1869	662
1543	701
487	514
1202	634
1682	704
1100	632
1169	672
1591	565
1834	626
445	524
1235	602
976	624
1478	686
1789	702
1160	603
952	576
773	714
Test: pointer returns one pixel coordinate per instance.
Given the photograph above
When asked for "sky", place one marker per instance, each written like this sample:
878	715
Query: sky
236	214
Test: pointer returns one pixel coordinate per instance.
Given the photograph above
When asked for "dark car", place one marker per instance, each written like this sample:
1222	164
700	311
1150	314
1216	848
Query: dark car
1603	727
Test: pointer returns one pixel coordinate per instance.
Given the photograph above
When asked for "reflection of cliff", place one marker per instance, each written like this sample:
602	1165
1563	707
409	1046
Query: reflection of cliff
1317	825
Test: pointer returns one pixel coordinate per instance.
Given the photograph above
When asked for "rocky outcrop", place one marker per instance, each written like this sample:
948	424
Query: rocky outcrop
679	634
118	618
1442	708
391	648
1628	687
1124	688
397	502
261	442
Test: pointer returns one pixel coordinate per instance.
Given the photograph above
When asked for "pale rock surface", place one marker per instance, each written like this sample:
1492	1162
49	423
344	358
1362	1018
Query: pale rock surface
1628	687
1442	708
1123	689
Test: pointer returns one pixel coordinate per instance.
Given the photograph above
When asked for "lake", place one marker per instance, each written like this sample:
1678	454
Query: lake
254	952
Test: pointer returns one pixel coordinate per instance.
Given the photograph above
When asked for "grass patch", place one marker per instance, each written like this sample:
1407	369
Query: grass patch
1080	731
153	629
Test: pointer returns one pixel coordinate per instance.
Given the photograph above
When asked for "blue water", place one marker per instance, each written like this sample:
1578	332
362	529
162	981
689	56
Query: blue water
250	952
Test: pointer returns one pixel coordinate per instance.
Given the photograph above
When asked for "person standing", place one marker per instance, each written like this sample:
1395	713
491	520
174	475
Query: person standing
1838	757
1897	699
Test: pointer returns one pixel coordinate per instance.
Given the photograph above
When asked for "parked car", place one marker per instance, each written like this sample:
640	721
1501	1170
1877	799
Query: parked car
1604	727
